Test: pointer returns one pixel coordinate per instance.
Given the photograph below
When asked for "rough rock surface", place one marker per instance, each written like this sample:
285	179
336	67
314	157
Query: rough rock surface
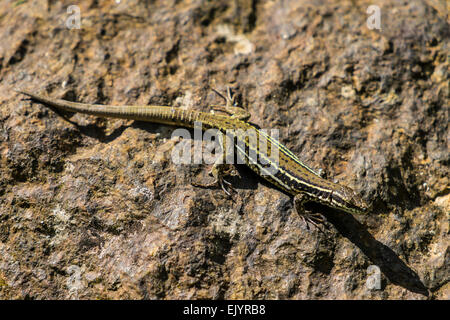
95	208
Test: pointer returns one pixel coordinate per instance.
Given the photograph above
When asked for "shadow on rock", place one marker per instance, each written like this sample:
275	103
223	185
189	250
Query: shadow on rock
381	255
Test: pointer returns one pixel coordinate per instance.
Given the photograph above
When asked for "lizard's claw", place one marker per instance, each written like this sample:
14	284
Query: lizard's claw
226	186
315	219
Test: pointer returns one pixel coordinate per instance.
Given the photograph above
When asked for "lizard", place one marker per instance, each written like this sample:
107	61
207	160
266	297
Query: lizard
291	175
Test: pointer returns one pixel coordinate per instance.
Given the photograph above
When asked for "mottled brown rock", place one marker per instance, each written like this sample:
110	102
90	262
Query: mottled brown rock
96	209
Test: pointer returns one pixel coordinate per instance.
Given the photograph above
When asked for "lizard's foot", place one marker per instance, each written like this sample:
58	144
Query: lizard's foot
229	99
224	184
219	172
230	107
315	219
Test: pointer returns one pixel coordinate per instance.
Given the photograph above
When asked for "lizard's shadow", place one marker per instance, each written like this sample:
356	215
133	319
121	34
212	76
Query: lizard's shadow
381	255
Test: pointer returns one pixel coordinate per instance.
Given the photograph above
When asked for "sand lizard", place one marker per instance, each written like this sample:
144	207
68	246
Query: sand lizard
291	175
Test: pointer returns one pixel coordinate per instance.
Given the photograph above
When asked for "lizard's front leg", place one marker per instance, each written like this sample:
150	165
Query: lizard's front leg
309	217
220	169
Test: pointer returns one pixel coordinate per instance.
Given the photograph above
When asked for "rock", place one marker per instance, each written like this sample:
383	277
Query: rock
96	209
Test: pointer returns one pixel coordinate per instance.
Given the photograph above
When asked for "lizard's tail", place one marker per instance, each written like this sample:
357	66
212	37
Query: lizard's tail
159	114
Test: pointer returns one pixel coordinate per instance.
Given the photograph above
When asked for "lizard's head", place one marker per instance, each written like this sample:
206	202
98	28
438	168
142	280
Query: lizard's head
348	200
